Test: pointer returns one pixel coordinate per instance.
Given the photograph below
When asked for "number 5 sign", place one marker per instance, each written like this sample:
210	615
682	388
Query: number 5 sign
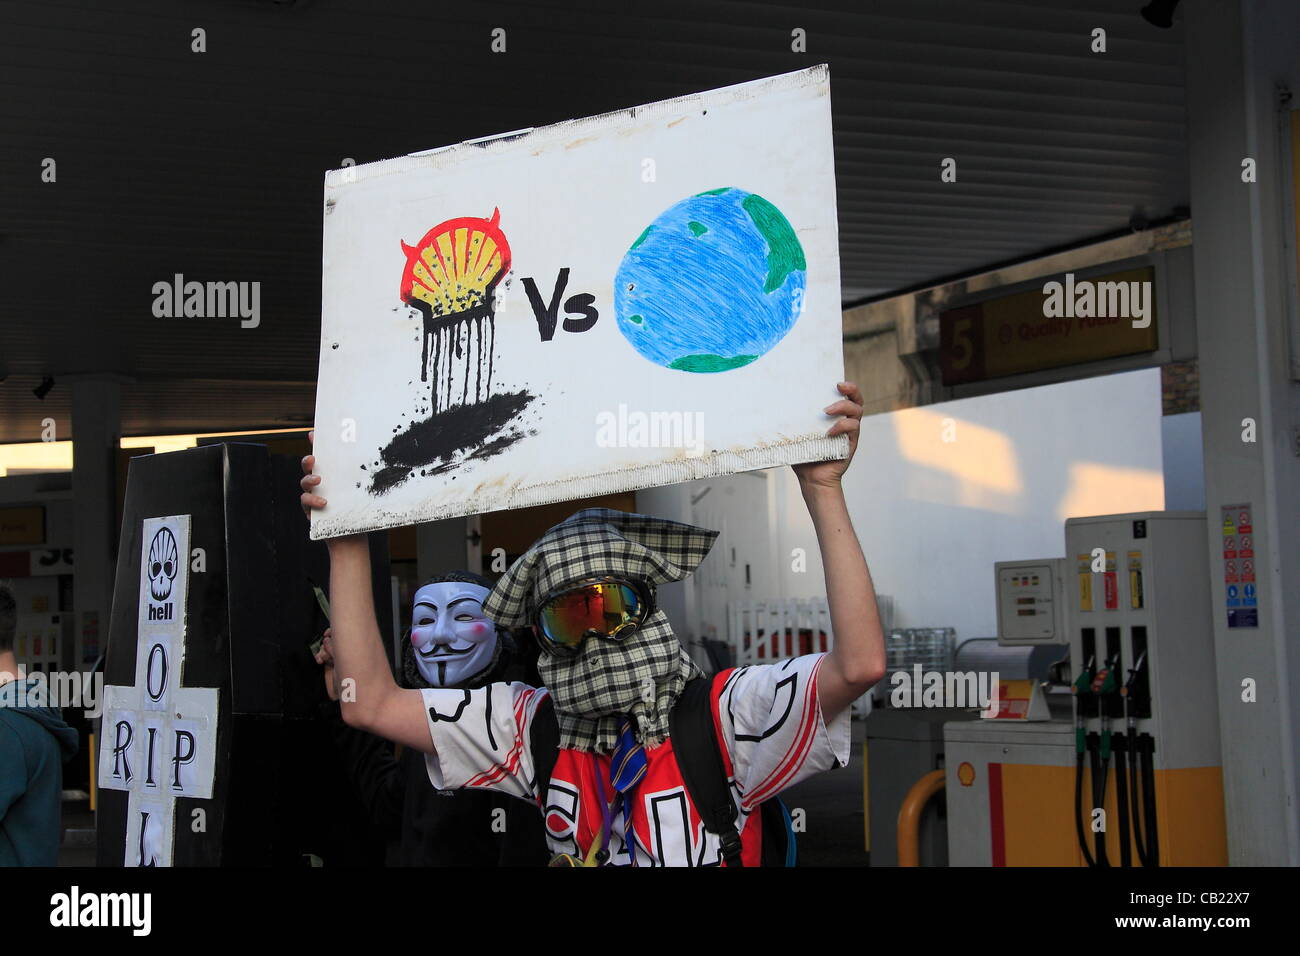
961	345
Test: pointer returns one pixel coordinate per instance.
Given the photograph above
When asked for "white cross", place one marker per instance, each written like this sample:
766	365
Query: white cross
158	739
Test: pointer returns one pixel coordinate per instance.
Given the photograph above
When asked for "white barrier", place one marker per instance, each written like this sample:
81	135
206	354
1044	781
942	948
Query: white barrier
763	632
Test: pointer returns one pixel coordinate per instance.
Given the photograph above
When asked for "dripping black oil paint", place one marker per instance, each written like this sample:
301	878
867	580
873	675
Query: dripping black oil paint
450	281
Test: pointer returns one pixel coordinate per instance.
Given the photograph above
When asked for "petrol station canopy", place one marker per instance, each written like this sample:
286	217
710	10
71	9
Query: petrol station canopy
210	165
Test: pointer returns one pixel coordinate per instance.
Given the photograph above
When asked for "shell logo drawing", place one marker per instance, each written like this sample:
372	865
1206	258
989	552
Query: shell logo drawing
450	277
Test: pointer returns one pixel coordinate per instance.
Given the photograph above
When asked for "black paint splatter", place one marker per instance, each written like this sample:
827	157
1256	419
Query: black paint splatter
446	438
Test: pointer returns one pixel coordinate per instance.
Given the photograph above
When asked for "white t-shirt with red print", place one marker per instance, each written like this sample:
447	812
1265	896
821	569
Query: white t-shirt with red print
768	716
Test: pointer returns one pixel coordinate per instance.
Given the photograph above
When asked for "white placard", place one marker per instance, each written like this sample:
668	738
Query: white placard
150	832
164	574
158	739
606	304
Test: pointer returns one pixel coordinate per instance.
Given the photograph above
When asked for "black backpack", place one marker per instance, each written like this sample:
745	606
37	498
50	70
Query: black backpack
699	757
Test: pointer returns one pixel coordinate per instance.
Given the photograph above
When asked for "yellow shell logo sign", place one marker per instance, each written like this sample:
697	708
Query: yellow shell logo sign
965	774
449	280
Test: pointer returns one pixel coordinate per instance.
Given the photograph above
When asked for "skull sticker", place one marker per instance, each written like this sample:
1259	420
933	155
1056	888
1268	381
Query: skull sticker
162	564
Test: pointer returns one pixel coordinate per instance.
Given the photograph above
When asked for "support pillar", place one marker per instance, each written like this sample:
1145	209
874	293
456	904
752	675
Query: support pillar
1238	53
96	434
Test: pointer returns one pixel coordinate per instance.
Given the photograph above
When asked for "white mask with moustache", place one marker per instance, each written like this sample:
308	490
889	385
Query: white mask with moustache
452	638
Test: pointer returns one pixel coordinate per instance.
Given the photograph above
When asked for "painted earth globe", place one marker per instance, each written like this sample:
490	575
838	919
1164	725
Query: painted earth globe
712	284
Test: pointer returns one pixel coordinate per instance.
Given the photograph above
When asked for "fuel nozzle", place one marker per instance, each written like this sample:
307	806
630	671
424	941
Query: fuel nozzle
1083	683
1130	686
1082	693
1103	681
1104	686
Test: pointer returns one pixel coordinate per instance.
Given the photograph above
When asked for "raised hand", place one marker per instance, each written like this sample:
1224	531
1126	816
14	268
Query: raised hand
829	473
309	481
325	658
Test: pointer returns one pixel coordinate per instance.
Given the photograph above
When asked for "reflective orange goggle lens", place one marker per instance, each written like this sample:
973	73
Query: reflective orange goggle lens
608	608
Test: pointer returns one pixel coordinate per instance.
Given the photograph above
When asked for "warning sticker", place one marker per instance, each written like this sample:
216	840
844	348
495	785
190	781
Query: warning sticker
1085	582
1110	587
1135	579
1240	588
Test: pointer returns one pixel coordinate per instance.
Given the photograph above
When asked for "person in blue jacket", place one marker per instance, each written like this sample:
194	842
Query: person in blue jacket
34	743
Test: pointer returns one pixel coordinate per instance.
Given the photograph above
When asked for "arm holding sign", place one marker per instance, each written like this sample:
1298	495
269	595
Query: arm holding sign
372	700
856	661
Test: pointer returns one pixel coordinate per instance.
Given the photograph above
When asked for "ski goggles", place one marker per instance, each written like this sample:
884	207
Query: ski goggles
606	607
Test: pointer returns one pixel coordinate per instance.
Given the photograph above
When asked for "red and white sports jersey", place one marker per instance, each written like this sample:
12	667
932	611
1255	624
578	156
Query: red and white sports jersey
768	716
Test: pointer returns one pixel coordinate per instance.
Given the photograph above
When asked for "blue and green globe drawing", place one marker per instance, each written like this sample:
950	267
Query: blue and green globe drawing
712	284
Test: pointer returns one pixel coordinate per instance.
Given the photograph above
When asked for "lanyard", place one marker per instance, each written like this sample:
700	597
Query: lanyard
608	810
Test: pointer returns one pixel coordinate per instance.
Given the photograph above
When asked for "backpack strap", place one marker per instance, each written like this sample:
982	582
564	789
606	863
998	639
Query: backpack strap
696	746
545	733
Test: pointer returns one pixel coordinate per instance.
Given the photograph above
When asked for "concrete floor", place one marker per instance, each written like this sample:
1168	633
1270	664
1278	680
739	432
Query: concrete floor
78	847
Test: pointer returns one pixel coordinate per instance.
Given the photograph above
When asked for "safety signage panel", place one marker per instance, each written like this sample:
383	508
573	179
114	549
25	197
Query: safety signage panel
1240	587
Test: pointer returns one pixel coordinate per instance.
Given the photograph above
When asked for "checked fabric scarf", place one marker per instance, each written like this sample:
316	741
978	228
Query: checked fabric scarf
641	675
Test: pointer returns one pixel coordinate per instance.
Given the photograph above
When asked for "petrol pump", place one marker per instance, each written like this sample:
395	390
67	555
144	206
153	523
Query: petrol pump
1130	773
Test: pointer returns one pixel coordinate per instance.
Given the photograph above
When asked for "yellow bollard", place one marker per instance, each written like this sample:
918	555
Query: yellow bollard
909	816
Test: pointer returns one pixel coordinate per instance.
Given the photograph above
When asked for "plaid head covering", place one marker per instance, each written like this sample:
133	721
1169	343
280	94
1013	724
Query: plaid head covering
641	675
